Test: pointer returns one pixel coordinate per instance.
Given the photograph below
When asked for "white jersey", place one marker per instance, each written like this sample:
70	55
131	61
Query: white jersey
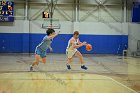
69	43
70	52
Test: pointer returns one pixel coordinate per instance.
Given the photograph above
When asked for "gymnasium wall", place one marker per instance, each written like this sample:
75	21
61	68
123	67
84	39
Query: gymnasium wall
97	26
134	35
23	36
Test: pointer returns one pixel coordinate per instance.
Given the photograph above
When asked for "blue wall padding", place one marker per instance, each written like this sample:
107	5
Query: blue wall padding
25	43
136	12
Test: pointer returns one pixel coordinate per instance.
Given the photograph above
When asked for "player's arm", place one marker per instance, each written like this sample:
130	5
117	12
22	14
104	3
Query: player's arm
79	42
77	46
53	36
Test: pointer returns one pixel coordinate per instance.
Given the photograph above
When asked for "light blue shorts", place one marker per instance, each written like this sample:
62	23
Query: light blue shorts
40	52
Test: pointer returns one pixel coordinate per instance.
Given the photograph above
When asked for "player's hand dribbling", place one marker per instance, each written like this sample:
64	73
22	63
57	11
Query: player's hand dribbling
84	43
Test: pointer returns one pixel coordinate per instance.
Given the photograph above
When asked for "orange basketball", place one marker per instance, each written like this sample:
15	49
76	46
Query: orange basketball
88	47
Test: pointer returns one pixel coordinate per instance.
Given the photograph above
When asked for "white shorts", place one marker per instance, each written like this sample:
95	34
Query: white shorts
70	52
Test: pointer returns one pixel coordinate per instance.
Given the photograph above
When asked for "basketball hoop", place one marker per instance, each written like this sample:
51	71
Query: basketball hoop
51	23
50	26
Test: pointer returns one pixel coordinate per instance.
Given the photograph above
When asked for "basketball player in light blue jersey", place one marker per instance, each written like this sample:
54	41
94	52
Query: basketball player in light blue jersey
40	52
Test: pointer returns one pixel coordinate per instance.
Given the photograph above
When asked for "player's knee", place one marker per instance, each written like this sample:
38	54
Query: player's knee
69	59
44	60
80	56
37	58
36	63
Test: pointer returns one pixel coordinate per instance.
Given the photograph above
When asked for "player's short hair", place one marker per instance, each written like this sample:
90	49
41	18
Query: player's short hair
50	31
76	33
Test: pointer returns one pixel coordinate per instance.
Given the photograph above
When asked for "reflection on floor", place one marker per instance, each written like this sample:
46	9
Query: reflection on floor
106	74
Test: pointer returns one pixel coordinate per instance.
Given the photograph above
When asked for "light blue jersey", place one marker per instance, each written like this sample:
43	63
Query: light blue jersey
43	46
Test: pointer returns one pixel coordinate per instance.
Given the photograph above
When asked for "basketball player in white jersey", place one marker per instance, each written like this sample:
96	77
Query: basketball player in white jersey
71	50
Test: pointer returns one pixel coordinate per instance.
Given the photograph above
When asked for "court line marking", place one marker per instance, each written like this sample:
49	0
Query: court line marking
117	83
121	84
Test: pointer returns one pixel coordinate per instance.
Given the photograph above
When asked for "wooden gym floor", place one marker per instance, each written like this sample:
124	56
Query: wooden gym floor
106	74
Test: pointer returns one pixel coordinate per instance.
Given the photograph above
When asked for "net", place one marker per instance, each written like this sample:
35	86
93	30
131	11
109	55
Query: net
51	23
